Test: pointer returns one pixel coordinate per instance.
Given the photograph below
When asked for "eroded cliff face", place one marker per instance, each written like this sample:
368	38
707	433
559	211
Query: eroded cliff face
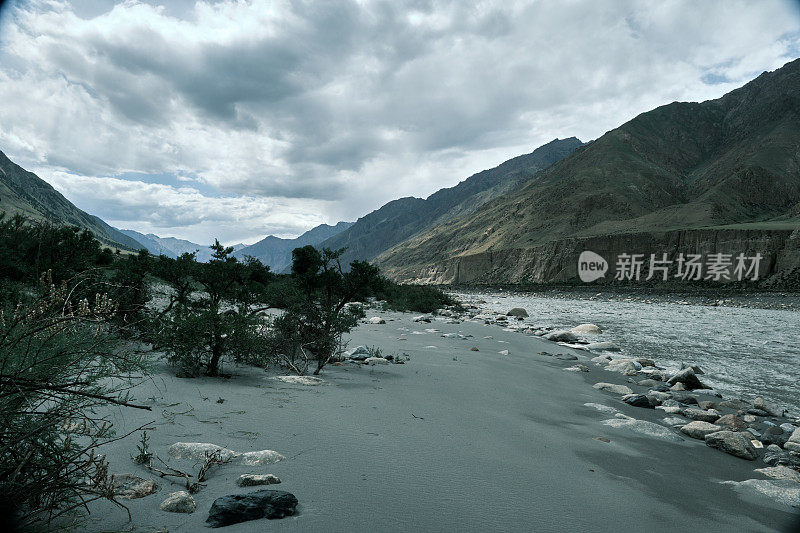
557	261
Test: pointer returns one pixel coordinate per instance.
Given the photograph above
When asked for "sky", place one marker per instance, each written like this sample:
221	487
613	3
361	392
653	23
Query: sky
239	119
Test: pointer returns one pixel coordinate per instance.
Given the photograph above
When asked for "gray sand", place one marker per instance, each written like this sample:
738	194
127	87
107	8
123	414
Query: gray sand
453	440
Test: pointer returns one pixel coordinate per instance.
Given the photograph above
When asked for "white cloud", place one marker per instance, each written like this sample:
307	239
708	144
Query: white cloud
344	106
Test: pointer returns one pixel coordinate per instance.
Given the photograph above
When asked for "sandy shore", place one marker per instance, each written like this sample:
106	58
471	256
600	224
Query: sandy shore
453	440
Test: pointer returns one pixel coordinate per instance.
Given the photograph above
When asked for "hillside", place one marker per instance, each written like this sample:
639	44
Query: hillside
400	219
25	193
277	252
725	163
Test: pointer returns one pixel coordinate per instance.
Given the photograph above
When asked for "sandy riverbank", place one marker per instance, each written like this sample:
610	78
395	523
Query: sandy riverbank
453	440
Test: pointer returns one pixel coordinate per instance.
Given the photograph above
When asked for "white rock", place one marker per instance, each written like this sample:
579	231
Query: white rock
300	380
602	408
602	347
503	352
781	491
179	502
611	387
587	328
780	472
372	361
196	451
260	457
376	320
561	336
644	427
253	480
699	429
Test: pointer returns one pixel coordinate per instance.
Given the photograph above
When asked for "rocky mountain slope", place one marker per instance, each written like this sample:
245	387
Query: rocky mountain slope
277	252
400	219
729	163
25	193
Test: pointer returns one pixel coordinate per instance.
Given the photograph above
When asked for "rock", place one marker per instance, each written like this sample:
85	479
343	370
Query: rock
650	429
604	346
793	442
731	422
757	412
236	508
782	491
735	404
602	408
637	400
780	472
684	397
697	370
679	387
781	458
774	435
423	318
601	359
179	502
645	361
768	407
372	361
359	353
253	480
688	378
700	414
611	387
566	357
675	421
732	443
518	312
196	451
260	457
587	328
131	486
561	336
788	428
670	409
706	405
657	398
473	349
626	367
699	429
647	383
300	380
377	320
503	352
748	418
577	368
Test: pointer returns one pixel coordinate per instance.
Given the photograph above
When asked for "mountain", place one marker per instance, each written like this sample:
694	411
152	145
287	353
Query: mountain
400	219
277	252
726	165
25	193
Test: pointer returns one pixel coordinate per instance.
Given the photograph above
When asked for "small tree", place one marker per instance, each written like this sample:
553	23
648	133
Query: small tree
309	332
211	311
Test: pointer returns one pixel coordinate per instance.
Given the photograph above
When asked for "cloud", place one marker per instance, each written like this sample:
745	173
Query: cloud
343	106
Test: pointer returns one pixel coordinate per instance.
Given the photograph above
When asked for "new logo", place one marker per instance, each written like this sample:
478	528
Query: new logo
591	266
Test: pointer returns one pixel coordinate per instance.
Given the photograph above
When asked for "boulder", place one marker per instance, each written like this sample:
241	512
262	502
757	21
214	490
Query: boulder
644	427
688	378
780	472
300	380
781	491
706	405
626	367
647	383
179	502
637	400
196	451
774	435
604	346
503	352
699	429
700	414
260	457
657	398
577	368
734	403
732	443
566	357
131	486
423	318
768	407
236	508
359	353
254	480
696	368
376	320
372	361
587	328
611	387
561	336
779	457
518	312
731	422
793	442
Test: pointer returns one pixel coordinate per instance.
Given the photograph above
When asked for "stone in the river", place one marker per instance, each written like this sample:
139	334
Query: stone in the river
735	403
179	502
774	435
196	451
749	418
518	311
688	378
675	421
372	361
700	414
706	404
678	387
577	368
260	457
561	336
768	407
637	400
236	508
788	428
732	422
131	486
644	427
732	443
359	353
587	328
684	397
423	318
757	412
793	443
696	368
473	349
626	367
611	387
566	357
301	380
647	383
604	346
660	387
503	352
253	480
780	472
657	398
780	457
699	429
377	320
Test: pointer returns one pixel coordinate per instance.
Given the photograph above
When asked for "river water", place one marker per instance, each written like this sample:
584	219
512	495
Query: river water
744	352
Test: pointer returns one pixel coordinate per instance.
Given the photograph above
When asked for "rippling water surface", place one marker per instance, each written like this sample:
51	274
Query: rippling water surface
744	352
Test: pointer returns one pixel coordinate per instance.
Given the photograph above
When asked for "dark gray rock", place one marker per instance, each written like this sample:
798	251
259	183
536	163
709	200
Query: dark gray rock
757	412
660	387
735	404
684	397
638	400
774	435
236	508
732	443
696	368
731	422
781	458
518	311
566	357
688	378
